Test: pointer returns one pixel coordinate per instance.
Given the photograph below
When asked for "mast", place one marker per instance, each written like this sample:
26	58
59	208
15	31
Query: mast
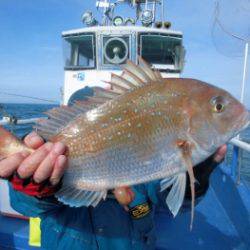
162	13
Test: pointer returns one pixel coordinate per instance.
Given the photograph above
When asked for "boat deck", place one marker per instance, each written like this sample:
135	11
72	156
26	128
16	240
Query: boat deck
222	221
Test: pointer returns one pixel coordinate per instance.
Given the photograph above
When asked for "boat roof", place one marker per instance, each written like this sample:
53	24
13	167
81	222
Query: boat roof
121	29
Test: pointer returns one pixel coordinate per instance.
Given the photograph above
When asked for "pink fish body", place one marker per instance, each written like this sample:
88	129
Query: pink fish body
144	128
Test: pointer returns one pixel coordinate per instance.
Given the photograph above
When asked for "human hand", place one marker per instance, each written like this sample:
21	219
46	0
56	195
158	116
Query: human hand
47	162
220	154
124	195
203	171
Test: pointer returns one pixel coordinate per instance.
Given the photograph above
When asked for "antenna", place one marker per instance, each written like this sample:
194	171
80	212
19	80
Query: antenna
162	13
106	6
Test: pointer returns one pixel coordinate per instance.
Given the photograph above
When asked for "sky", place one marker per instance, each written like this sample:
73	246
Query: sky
31	57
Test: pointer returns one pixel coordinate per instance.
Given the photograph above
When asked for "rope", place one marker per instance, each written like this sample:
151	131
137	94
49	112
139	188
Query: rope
219	25
30	97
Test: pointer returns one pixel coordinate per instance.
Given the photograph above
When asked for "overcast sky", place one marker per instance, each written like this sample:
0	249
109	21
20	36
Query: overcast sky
31	59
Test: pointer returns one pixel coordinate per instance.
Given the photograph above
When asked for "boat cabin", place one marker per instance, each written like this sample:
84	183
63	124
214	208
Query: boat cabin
91	54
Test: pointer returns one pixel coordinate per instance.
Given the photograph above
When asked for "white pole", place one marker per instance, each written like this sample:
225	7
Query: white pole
162	13
106	19
20	121
237	139
244	73
241	144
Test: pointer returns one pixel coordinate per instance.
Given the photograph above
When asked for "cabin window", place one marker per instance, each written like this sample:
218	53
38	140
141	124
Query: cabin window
162	51
79	51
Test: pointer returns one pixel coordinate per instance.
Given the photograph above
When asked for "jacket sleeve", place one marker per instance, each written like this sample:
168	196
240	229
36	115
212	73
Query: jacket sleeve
31	206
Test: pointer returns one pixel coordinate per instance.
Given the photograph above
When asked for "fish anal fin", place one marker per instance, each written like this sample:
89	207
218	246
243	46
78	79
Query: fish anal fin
77	197
186	151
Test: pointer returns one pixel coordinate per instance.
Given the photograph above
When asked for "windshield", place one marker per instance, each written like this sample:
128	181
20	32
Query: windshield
162	50
79	51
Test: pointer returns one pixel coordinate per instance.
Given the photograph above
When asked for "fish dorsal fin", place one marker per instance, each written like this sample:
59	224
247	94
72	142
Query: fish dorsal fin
153	74
101	92
134	76
61	116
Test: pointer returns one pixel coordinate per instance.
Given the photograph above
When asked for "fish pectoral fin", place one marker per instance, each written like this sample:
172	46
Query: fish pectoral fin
186	151
77	197
175	197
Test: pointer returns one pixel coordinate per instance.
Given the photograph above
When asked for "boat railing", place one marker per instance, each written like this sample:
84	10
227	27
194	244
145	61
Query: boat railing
235	163
237	157
15	121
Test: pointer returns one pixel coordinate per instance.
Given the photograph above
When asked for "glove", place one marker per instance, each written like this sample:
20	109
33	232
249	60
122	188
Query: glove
29	187
42	179
203	171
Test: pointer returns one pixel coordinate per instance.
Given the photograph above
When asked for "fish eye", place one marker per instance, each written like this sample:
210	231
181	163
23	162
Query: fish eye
218	104
219	107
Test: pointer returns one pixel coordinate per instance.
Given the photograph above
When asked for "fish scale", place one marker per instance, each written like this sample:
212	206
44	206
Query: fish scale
113	129
131	171
136	174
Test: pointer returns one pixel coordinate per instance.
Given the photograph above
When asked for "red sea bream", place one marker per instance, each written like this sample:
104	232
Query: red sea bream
144	128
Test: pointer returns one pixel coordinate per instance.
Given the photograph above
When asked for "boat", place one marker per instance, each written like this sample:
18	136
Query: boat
92	53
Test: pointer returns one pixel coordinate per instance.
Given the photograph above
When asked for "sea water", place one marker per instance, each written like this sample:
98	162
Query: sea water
24	111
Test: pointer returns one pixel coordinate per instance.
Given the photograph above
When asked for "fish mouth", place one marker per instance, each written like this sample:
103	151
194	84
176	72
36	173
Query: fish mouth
246	119
242	122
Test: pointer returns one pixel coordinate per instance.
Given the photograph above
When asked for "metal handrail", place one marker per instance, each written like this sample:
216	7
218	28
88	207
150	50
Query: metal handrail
240	144
236	163
10	121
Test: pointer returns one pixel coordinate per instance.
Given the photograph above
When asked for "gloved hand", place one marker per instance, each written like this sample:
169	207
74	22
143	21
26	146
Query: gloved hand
38	174
203	171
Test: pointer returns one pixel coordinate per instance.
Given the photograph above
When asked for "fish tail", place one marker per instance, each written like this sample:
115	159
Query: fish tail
9	144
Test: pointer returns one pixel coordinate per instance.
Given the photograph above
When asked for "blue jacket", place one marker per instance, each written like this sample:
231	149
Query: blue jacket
108	226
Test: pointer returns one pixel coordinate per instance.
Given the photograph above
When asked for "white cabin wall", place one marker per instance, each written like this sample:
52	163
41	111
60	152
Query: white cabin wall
78	79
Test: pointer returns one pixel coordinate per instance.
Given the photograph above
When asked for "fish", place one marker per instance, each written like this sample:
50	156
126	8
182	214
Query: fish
144	128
